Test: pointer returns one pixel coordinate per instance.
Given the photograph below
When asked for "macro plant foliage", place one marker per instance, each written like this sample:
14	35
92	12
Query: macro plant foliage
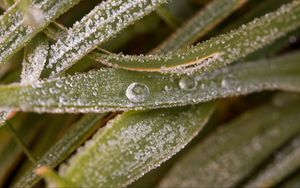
149	93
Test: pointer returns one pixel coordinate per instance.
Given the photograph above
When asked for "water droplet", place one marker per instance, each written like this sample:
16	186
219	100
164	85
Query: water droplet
59	83
227	82
187	84
95	93
137	92
168	88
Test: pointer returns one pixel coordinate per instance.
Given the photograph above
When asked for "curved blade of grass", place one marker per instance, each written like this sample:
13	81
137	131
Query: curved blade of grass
134	90
284	163
104	22
133	144
236	149
218	51
199	25
82	130
21	22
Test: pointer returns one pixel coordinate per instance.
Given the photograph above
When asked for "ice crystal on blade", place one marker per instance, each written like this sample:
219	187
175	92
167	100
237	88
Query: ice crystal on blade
101	24
134	143
34	60
24	20
230	154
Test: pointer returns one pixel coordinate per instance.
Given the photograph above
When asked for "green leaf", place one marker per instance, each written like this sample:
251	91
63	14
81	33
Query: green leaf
21	22
101	24
87	92
205	20
134	143
216	52
35	57
232	152
77	135
285	162
11	152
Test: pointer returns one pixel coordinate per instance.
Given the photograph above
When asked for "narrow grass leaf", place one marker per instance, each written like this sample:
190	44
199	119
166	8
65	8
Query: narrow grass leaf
86	92
77	135
285	162
133	144
236	149
205	20
11	152
35	57
101	24
22	21
216	52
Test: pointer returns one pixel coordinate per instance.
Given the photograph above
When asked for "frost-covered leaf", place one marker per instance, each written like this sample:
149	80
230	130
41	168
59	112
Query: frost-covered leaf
101	24
215	52
22	21
86	92
285	162
63	148
232	152
205	20
35	57
133	144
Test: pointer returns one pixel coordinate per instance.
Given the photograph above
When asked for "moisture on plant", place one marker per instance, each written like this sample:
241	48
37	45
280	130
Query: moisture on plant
150	93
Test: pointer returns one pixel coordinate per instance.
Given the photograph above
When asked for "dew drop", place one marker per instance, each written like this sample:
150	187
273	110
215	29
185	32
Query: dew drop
137	92
168	88
227	82
59	83
187	84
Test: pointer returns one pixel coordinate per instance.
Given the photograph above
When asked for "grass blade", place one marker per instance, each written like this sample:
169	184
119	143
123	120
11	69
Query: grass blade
218	51
236	149
63	148
133	144
284	163
35	57
21	22
134	90
199	25
101	24
11	152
